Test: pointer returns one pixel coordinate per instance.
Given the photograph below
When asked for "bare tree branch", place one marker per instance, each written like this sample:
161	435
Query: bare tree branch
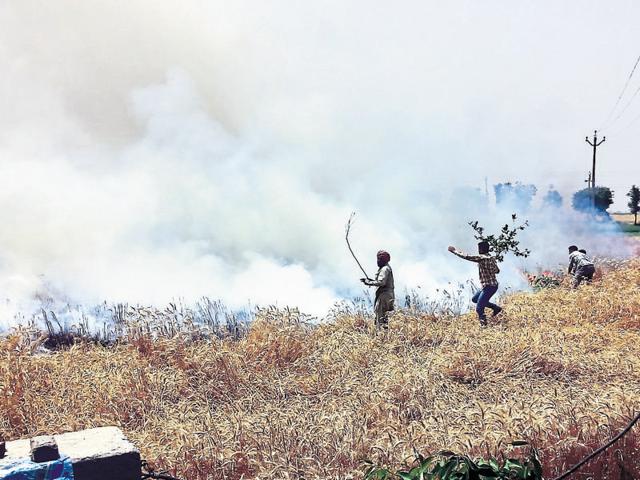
346	237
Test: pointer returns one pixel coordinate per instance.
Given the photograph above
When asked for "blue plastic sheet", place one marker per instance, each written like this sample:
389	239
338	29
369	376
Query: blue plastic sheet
25	469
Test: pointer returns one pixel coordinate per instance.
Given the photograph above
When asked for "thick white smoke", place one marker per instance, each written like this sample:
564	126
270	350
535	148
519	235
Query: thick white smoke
180	149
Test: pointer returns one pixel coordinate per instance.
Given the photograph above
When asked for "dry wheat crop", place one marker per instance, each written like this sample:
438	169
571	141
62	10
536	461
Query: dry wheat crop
560	369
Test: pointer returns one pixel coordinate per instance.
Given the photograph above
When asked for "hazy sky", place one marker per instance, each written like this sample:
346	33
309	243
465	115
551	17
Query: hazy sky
162	146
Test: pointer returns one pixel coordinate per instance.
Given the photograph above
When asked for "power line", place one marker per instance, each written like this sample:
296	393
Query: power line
624	89
626	127
626	106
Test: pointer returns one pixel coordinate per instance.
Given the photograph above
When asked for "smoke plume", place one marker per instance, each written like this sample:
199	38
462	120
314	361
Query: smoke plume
153	151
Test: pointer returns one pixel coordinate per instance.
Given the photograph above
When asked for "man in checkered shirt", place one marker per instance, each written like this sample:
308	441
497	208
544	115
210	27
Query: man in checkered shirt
487	268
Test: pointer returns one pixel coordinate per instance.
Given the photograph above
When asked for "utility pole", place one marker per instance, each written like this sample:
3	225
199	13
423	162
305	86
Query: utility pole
595	144
588	180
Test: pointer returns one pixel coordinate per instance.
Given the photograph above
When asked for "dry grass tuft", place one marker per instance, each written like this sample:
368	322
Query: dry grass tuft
560	369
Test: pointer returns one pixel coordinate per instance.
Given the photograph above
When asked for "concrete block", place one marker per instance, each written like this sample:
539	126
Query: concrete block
44	449
97	454
101	454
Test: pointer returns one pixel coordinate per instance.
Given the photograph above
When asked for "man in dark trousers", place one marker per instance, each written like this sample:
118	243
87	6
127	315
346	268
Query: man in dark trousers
487	268
385	296
580	266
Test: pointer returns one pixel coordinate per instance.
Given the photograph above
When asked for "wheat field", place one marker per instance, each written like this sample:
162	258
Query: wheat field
560	369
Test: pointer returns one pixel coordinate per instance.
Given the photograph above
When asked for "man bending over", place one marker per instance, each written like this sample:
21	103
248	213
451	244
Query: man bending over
580	266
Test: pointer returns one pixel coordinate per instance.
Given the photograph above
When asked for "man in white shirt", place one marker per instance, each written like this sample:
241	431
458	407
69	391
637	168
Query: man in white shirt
580	266
385	295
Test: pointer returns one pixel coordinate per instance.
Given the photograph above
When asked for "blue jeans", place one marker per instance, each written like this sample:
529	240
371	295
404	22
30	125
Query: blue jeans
481	299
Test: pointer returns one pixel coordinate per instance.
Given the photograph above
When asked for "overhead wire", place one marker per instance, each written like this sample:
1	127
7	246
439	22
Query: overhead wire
626	127
635	94
624	89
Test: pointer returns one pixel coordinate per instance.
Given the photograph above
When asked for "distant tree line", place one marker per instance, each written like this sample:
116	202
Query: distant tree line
519	195
595	200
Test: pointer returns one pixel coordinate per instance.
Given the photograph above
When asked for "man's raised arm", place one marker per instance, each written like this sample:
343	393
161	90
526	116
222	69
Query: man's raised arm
461	254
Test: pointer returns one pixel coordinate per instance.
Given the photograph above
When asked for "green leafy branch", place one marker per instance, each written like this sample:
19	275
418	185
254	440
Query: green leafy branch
506	241
447	465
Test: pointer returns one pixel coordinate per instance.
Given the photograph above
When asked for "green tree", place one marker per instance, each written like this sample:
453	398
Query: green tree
594	200
552	198
516	195
634	202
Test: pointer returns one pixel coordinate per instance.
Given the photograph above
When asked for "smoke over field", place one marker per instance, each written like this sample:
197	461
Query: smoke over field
217	148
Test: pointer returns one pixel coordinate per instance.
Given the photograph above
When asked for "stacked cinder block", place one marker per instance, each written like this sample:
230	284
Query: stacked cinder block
96	454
